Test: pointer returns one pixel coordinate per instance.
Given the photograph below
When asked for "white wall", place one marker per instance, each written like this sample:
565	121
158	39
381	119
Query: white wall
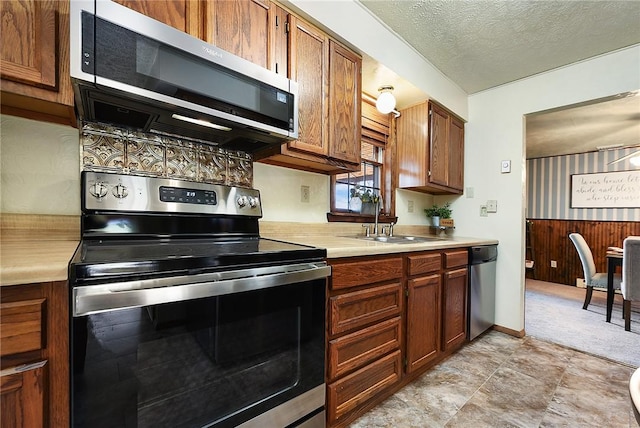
281	194
40	174
496	132
40	167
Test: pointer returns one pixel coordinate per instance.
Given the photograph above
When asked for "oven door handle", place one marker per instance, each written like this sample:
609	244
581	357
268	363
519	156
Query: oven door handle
111	296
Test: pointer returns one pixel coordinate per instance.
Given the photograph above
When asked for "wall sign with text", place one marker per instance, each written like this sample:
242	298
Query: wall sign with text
619	189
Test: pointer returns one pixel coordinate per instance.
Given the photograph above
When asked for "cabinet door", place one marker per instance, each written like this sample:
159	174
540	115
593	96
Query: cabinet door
29	42
34	62
180	14
456	154
355	350
240	27
344	104
364	272
413	147
359	308
309	66
423	321
357	388
439	146
22	326
455	308
22	396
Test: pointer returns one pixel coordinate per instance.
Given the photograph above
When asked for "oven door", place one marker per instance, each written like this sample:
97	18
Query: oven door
218	361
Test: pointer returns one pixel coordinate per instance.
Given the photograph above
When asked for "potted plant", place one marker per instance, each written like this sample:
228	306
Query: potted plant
366	200
436	213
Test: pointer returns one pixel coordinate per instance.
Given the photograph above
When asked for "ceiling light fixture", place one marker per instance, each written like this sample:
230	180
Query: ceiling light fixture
386	102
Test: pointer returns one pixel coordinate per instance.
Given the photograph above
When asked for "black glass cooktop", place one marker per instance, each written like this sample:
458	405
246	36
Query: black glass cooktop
119	260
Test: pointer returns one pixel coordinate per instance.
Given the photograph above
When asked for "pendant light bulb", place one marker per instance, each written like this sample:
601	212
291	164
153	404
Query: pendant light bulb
386	102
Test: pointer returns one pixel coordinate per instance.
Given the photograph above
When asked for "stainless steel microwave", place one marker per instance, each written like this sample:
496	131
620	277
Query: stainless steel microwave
132	71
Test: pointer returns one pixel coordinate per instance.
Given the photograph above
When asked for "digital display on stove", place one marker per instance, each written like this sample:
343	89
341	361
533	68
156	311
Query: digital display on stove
188	196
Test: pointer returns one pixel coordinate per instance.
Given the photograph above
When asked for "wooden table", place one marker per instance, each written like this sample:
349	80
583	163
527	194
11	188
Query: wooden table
614	259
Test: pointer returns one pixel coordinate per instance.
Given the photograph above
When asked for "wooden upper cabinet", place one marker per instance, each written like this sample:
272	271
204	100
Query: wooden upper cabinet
345	107
29	42
180	14
35	60
456	162
329	104
241	27
439	146
412	146
430	146
309	66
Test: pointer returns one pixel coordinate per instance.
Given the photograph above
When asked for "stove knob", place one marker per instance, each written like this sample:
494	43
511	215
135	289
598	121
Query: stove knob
242	201
98	190
120	191
253	202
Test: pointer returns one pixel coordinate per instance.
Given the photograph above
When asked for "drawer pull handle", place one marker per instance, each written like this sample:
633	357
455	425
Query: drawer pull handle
22	368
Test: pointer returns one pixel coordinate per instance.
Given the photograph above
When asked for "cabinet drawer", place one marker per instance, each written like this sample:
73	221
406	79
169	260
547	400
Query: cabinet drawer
355	389
456	258
22	326
359	308
357	349
423	263
344	275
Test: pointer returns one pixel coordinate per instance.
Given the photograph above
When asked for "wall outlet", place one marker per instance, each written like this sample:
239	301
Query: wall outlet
483	211
305	194
554	264
409	206
492	206
469	192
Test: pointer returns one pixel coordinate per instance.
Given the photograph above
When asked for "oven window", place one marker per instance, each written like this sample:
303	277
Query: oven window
208	362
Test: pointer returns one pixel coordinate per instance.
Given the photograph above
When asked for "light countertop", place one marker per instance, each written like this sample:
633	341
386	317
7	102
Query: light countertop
340	239
32	261
33	254
36	248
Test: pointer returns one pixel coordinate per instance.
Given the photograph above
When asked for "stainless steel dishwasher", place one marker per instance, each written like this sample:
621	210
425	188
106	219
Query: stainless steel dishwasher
482	290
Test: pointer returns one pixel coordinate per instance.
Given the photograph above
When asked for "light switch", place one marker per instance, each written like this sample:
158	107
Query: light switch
483	211
505	166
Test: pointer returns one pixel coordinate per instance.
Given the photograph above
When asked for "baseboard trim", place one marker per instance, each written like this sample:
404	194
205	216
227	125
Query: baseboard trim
510	332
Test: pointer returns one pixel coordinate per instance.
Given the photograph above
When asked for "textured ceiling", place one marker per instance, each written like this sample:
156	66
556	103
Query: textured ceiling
585	127
483	44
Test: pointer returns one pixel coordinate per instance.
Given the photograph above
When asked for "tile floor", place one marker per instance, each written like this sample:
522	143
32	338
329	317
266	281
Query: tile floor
502	381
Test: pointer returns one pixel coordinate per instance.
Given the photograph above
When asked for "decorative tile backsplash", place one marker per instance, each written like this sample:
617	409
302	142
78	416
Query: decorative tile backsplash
109	149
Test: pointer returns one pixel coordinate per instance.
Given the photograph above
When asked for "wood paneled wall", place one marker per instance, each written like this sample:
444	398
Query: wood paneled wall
550	241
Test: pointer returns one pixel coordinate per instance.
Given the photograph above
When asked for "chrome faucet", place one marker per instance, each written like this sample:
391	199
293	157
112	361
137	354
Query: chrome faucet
375	226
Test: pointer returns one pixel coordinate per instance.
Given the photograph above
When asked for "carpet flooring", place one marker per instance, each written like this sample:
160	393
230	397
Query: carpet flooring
553	312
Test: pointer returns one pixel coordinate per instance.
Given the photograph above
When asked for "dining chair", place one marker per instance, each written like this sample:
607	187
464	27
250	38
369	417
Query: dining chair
592	279
630	276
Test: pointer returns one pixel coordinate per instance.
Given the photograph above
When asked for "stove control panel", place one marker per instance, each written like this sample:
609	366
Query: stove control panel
127	193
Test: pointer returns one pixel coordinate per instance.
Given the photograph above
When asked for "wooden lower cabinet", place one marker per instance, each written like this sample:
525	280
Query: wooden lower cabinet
348	393
454	315
23	392
423	321
390	318
34	346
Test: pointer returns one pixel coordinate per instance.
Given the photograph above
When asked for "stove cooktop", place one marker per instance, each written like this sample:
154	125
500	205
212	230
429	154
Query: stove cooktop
127	259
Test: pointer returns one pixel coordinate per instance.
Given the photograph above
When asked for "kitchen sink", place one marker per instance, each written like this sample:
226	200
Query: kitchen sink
398	239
